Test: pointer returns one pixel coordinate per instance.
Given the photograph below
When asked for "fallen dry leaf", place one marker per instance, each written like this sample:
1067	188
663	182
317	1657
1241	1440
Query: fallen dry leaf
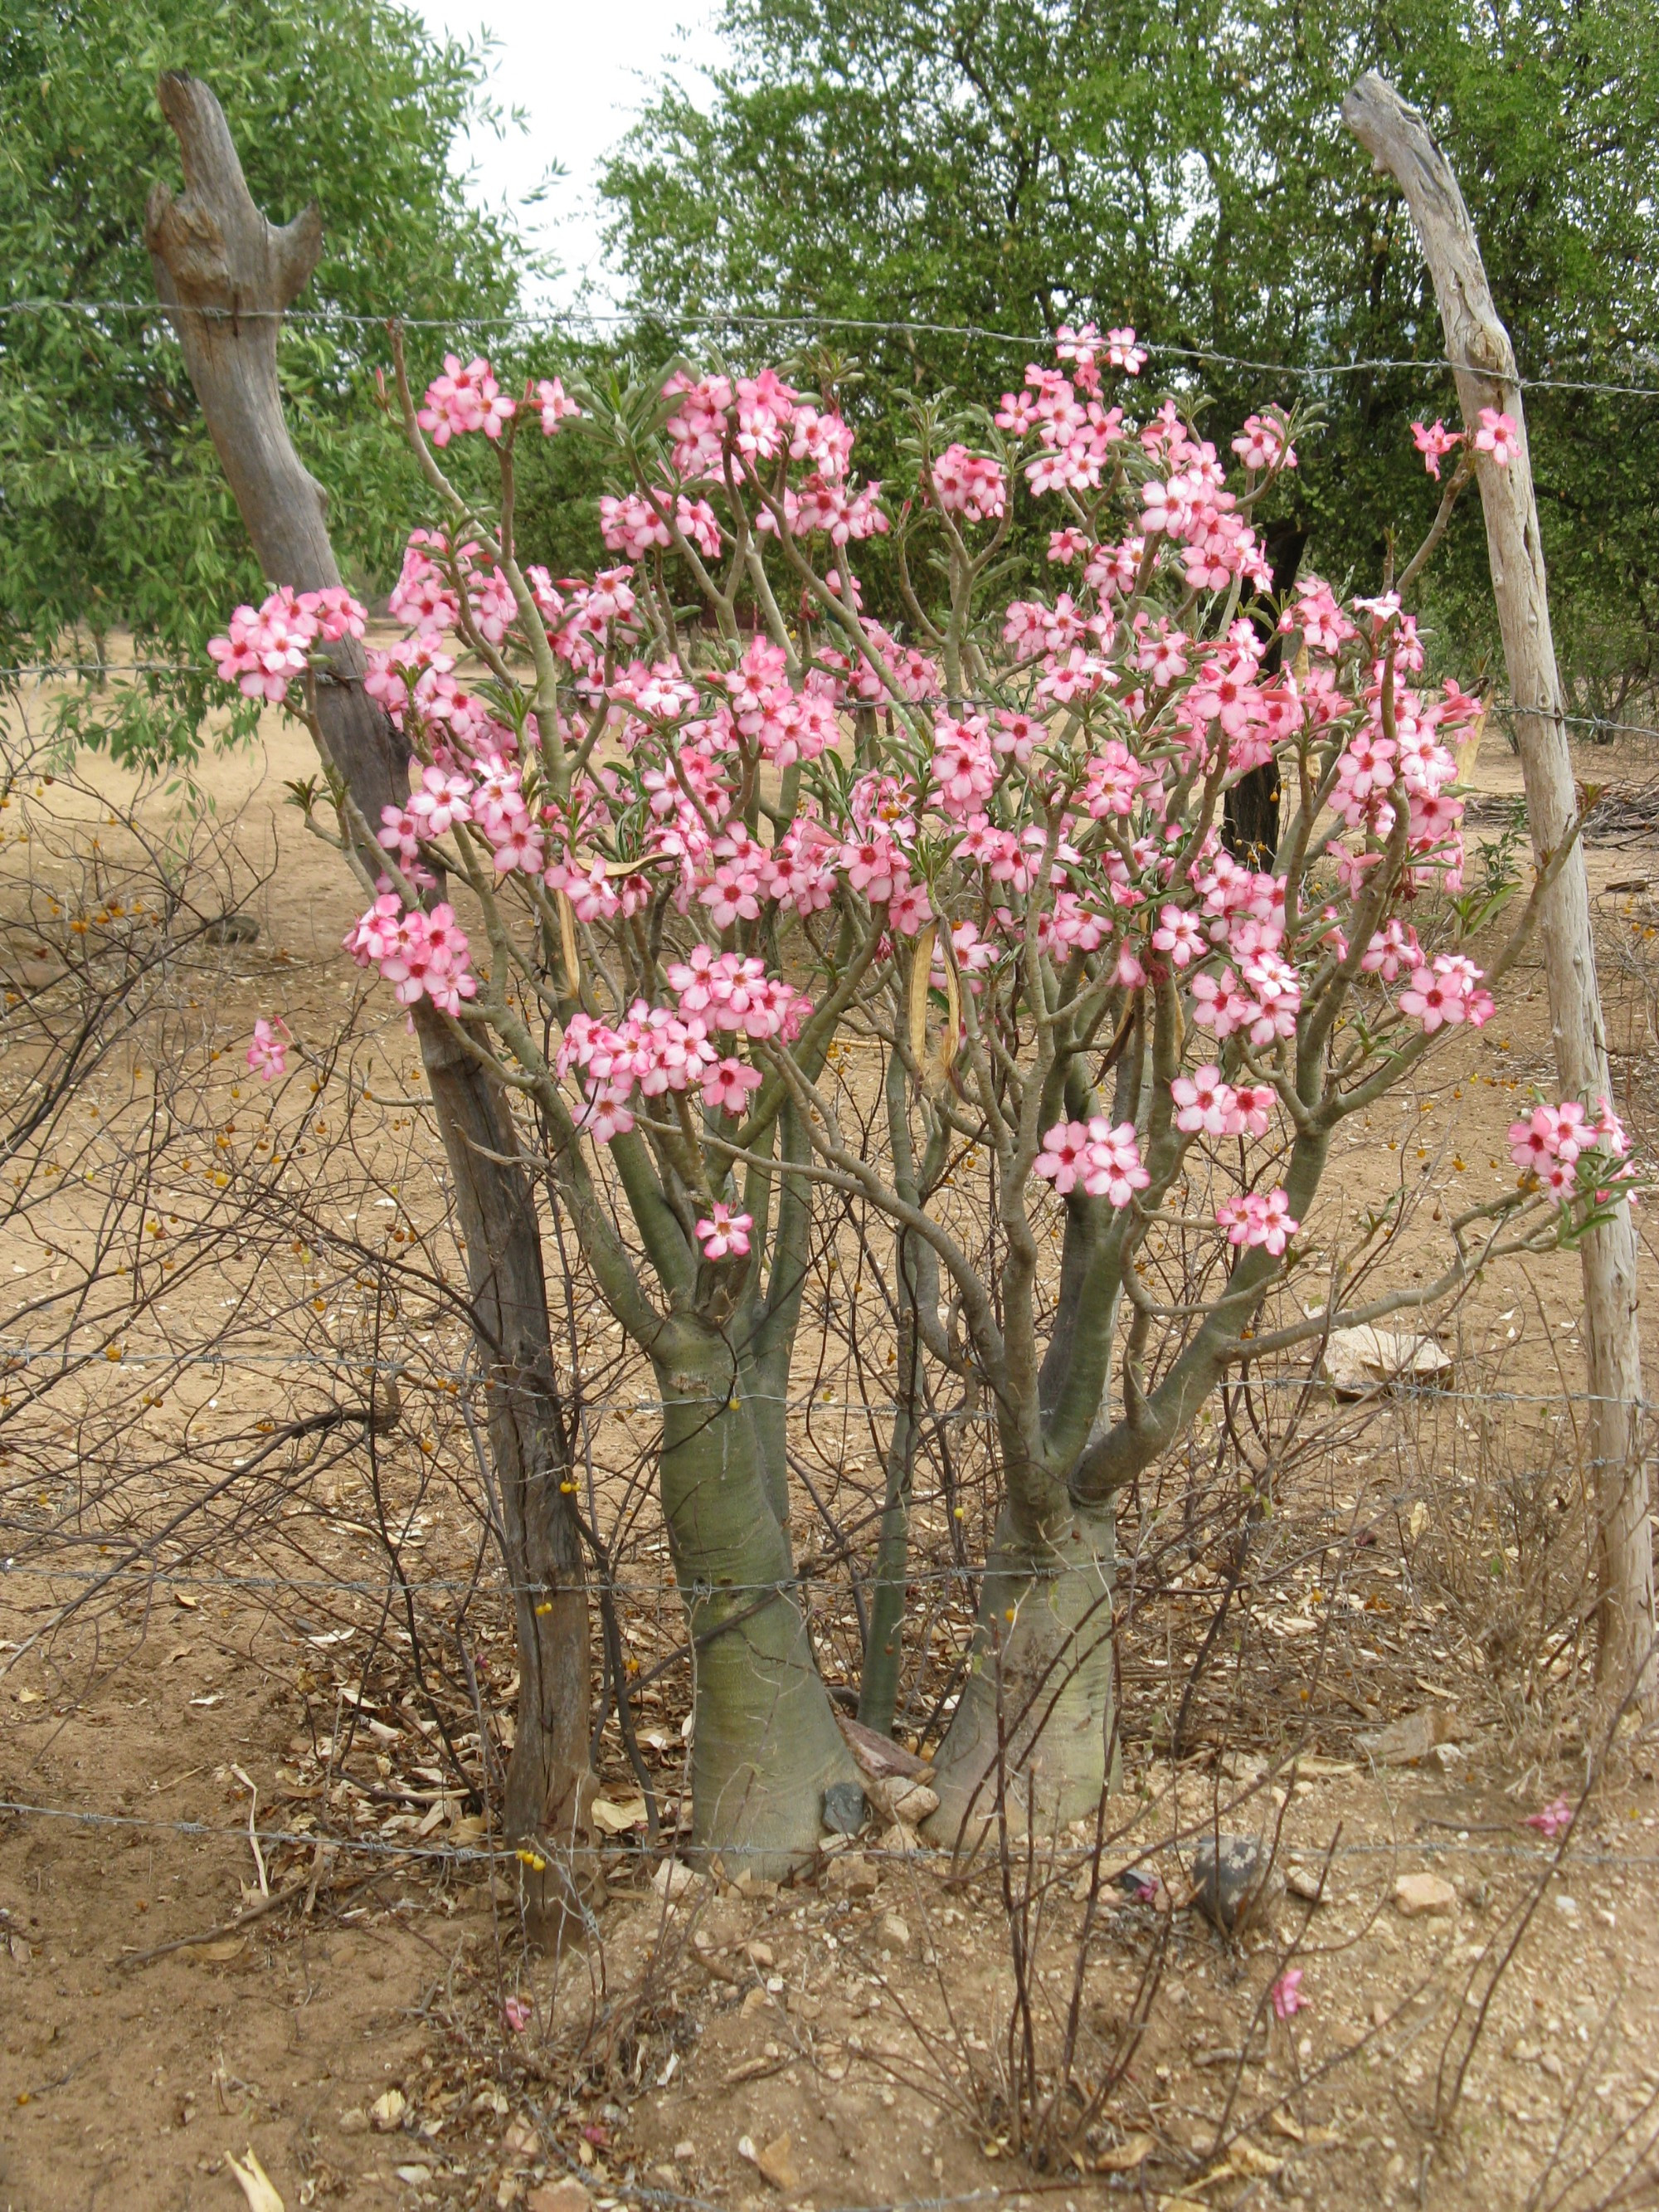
388	2109
1286	2126
229	1947
256	2184
1124	2157
617	1820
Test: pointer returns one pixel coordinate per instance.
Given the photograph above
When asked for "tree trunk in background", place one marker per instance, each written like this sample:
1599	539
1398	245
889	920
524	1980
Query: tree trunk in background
1250	816
225	276
1483	360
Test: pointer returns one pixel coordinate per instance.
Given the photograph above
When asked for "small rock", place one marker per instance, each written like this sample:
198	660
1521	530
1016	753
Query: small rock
894	1931
846	1808
353	2122
388	2111
1302	1882
1411	1738
672	1879
1357	1361
1418	1895
761	1955
778	2167
908	1801
683	2151
898	1840
565	2196
1231	1883
1565	1905
855	1874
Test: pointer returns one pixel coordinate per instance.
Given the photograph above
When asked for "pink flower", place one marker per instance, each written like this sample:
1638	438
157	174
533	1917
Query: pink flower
1262	445
268	1054
1123	353
549	395
1434	443
464	399
726	1234
1446	993
1113	1168
1554	1820
1063	1156
727	1085
1286	1994
515	2015
1498	435
1255	1219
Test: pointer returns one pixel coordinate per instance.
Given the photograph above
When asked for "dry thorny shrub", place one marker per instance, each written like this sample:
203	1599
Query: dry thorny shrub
239	1361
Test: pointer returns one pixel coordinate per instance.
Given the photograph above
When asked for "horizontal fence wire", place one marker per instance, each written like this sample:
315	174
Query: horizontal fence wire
474	1854
555	318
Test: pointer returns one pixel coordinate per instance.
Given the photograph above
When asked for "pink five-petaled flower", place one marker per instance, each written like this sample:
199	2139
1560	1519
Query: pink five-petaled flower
1123	353
1064	1155
555	401
1499	436
1286	1994
1554	1820
727	1234
1260	1217
515	2015
1434	442
1447	992
268	1054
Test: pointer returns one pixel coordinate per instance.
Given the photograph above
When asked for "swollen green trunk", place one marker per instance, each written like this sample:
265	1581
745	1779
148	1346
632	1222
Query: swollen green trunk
766	1745
1040	1681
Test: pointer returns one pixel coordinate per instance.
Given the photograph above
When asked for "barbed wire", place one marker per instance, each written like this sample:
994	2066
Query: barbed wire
743	318
45	670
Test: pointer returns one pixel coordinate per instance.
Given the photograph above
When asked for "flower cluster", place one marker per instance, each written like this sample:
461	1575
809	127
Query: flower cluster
266	647
1103	1161
1254	1217
420	953
969	485
655	1050
464	399
1497	435
1552	1140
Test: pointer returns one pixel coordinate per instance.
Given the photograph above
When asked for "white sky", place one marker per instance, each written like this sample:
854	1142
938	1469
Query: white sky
580	69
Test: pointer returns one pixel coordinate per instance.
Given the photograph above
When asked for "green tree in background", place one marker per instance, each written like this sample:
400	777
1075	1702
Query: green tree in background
1180	164
113	509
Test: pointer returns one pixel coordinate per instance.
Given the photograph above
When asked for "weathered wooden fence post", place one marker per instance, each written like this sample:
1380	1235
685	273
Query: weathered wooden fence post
1483	360
225	276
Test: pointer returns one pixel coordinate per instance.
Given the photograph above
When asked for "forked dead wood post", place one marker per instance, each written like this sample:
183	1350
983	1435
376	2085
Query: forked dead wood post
1478	346
225	276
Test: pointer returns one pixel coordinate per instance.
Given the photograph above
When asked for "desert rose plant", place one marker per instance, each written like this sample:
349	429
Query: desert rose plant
714	823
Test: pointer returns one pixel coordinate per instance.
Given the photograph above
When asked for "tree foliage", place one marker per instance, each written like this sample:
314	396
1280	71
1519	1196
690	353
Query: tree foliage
114	510
1181	165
